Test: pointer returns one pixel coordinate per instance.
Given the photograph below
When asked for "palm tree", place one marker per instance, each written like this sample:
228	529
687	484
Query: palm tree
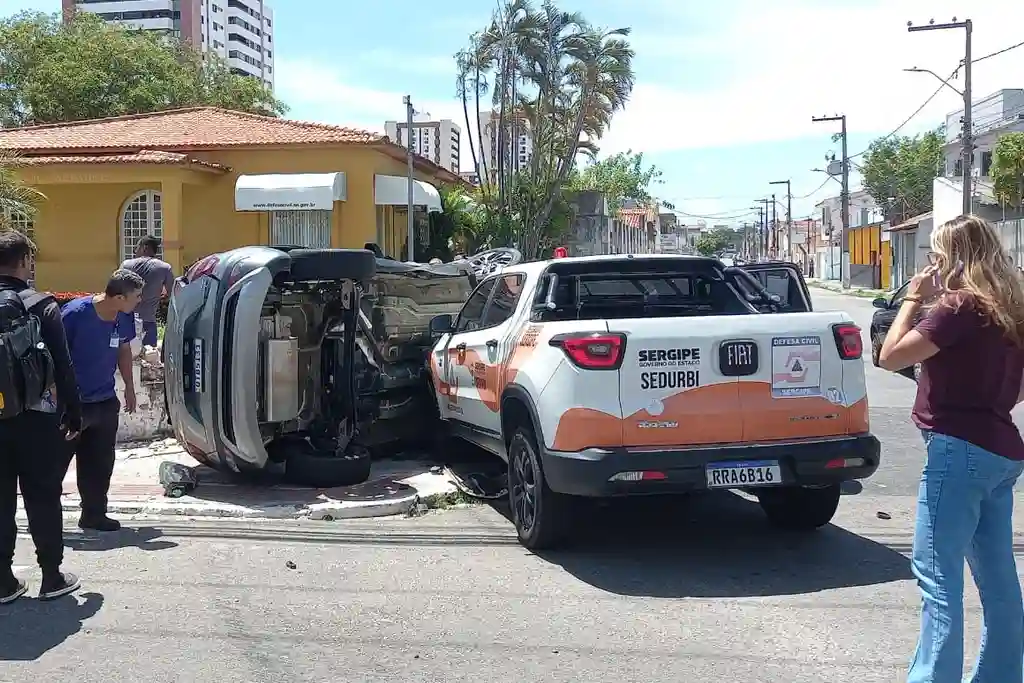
16	198
558	78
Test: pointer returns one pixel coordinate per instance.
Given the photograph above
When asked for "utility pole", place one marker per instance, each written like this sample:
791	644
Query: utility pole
758	241
774	231
766	236
789	215
967	136
844	198
407	100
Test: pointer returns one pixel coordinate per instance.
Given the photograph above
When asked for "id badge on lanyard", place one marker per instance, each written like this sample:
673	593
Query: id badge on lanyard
115	340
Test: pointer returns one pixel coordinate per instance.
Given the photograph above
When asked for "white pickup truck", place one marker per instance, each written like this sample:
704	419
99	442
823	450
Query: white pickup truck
622	375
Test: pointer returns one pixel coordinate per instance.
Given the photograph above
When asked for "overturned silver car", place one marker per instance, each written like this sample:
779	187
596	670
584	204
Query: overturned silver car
297	362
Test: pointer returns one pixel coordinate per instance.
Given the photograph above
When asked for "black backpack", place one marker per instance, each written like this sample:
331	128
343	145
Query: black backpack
26	367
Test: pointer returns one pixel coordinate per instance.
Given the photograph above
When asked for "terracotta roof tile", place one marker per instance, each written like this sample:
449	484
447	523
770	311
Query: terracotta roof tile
196	128
145	156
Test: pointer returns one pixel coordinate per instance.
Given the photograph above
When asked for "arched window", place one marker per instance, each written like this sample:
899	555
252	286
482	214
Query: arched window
142	215
26	226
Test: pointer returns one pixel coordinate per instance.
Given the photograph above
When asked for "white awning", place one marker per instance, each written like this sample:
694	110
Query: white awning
289	191
393	190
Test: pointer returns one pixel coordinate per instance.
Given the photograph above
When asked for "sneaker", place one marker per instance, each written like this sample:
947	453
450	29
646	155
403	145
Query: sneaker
101	523
57	585
11	589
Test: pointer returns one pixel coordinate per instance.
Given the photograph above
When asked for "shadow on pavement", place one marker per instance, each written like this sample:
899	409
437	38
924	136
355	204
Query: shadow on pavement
31	628
143	538
717	545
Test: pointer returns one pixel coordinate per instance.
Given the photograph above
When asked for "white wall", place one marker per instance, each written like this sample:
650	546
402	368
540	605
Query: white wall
947	199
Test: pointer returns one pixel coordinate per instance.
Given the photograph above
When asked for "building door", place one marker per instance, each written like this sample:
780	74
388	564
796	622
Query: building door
311	229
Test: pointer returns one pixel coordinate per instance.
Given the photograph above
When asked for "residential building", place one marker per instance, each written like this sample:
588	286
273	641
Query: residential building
471	177
240	31
635	230
522	143
207	180
992	117
438	141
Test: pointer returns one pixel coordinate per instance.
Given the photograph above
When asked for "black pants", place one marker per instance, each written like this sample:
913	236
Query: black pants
32	453
94	455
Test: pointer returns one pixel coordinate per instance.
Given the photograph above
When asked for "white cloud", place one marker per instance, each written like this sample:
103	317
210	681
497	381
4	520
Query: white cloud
780	64
795	59
319	93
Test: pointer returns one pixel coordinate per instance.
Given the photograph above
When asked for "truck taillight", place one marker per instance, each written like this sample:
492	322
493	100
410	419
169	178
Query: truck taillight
848	341
203	268
593	351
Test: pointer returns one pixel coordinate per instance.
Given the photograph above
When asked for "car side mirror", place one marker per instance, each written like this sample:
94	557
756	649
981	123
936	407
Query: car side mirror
880	302
442	324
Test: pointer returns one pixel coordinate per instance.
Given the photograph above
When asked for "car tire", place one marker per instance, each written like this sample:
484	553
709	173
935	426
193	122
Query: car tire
795	508
325	470
913	372
876	348
310	265
542	517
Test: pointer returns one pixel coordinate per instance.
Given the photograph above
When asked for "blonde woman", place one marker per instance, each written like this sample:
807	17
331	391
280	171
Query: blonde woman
970	302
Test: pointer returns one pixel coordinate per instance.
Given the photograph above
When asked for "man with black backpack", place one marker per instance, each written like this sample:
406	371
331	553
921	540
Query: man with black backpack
37	387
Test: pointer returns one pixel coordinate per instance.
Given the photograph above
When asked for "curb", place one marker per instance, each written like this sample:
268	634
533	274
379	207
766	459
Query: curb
859	292
423	489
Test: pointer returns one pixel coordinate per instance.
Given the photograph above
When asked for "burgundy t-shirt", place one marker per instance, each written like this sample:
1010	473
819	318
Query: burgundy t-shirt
969	387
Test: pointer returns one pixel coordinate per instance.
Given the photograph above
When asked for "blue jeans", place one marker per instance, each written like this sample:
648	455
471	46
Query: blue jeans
965	510
149	333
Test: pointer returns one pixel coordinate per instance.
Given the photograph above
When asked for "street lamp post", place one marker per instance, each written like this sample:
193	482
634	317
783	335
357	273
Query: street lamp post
967	136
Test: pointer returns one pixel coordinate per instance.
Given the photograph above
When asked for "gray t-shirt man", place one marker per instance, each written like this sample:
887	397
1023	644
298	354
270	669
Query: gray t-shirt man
158	276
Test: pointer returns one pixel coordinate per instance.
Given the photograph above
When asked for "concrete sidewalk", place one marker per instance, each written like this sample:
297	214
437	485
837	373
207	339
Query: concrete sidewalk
395	487
834	286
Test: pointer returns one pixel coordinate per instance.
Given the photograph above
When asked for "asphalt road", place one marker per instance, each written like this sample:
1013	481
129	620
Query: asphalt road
653	591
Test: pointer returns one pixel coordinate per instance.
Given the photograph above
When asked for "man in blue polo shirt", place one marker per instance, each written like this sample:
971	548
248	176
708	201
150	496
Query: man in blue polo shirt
99	331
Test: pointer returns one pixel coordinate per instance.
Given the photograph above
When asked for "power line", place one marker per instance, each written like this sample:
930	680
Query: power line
912	116
998	52
815	190
716	217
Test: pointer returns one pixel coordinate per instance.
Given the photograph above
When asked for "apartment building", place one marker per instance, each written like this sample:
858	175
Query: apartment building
522	144
992	117
439	141
239	31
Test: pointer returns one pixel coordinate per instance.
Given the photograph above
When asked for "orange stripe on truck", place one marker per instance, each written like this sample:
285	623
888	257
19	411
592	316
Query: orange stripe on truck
743	412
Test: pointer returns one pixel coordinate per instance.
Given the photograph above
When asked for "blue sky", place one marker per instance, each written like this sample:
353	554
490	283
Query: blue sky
725	90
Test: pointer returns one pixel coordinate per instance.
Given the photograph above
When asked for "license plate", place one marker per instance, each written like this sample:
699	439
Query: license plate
729	475
193	365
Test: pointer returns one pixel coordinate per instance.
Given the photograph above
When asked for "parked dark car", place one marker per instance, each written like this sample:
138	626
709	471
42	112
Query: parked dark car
882	320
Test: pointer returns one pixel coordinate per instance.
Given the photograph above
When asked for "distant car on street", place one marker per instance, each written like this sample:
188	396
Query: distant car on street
882	320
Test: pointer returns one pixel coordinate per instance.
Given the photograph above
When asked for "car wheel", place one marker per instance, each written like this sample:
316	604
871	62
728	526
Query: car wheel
310	265
917	372
876	348
305	466
540	515
796	508
913	372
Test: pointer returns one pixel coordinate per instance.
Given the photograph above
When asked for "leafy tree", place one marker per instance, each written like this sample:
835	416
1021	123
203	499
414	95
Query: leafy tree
715	241
1008	169
898	173
619	177
53	71
551	74
16	198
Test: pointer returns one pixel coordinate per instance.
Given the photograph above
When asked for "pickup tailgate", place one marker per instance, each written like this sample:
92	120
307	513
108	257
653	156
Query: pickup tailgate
744	378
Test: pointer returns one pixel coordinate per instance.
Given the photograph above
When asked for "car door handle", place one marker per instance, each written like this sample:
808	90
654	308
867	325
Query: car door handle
492	342
460	347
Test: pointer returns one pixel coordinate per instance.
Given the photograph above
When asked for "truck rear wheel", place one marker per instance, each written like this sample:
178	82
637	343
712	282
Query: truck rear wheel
541	516
796	508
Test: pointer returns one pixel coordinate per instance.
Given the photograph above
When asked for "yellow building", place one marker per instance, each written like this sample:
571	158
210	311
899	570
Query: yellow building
206	180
